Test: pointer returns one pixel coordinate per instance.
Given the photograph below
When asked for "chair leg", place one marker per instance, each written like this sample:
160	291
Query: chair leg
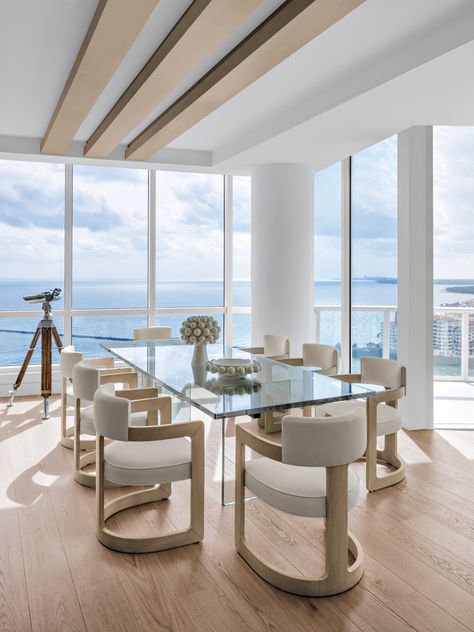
81	460
67	432
339	575
388	456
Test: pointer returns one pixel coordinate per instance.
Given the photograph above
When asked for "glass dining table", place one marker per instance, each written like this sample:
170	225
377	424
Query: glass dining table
277	387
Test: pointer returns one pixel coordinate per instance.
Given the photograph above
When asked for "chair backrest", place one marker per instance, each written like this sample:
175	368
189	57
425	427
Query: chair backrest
274	345
111	413
383	372
67	359
152	333
324	441
324	356
85	380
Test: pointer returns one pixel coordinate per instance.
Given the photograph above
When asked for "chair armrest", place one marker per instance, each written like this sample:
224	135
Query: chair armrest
108	361
190	429
116	370
352	378
138	393
250	434
153	405
331	371
255	350
119	376
389	395
292	361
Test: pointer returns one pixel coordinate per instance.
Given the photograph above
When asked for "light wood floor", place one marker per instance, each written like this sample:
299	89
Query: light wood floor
418	538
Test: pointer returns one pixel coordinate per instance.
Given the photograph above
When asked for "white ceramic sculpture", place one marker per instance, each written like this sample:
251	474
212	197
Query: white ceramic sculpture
199	331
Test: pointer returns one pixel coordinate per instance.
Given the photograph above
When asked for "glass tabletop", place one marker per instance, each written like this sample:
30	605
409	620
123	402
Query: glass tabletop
277	386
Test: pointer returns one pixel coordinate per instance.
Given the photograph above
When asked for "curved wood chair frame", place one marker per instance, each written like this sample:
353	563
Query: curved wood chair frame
339	576
389	455
67	432
166	430
84	449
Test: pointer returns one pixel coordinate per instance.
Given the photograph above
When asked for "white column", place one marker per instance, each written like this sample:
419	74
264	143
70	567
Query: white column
283	253
415	272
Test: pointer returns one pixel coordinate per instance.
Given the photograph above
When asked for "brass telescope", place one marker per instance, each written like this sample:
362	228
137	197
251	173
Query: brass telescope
47	330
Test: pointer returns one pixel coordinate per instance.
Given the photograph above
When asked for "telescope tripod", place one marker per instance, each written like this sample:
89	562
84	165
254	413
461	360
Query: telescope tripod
47	330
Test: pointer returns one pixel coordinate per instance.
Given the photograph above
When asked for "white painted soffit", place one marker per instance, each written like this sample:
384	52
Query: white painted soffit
415	84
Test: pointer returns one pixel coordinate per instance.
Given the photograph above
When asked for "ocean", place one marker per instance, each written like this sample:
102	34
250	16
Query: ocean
16	333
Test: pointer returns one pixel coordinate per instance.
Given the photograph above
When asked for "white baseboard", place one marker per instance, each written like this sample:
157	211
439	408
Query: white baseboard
31	384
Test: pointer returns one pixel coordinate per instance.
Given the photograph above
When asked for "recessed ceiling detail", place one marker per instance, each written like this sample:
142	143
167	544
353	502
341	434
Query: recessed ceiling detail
291	26
205	25
114	27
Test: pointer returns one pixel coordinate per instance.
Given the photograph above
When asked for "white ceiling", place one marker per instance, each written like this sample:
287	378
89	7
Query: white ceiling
386	66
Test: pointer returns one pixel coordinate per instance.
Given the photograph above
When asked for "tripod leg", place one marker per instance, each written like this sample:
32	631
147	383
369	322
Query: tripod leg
46	369
24	366
57	339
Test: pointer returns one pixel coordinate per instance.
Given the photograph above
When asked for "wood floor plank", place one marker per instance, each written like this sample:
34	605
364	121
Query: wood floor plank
90	563
428	581
418	539
14	606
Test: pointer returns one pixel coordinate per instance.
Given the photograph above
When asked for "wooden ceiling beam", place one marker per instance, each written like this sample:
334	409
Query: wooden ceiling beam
114	27
291	26
203	27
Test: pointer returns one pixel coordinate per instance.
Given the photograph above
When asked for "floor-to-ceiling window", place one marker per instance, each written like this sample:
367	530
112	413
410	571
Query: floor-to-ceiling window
31	250
453	264
189	244
241	209
327	260
372	288
109	267
374	251
127	246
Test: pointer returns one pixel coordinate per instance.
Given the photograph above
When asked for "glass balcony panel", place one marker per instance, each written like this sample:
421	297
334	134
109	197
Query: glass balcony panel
16	335
89	331
447	344
393	348
367	336
241	330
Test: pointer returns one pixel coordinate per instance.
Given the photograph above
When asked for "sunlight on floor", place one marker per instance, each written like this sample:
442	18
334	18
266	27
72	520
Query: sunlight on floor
454	404
412	453
460	441
44	480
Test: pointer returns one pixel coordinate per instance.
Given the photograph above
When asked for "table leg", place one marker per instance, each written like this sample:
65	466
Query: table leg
224	502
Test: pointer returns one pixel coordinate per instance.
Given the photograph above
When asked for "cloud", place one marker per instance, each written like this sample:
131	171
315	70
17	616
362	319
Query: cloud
94	213
374	214
32	198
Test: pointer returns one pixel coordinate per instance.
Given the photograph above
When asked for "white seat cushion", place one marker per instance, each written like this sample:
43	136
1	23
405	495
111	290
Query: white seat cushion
147	462
87	420
298	490
388	418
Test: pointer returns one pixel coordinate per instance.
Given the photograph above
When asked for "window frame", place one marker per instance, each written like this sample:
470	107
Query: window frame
151	312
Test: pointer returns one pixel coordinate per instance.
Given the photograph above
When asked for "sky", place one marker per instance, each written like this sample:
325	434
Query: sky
453	195
110	218
374	212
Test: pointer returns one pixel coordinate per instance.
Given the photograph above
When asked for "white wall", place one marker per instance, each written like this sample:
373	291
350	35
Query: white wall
415	273
282	253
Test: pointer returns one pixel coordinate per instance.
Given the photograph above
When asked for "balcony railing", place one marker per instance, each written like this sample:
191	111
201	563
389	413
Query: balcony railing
453	336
